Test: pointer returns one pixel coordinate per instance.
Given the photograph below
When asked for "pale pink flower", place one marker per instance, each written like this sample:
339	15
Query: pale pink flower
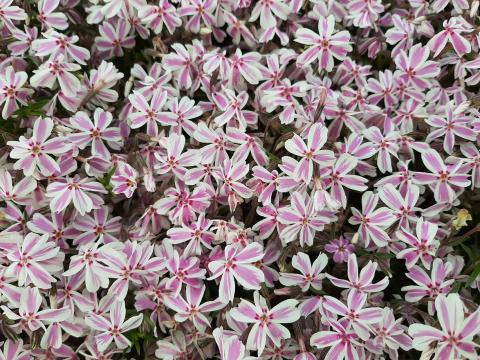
50	18
245	66
341	341
94	134
9	13
247	144
196	234
365	13
402	206
401	34
442	177
150	114
33	154
266	322
452	32
56	229
382	89
192	309
184	111
155	16
360	283
231	174
57	70
29	314
472	161
217	144
301	220
112	329
23	40
311	273
199	10
458	5
390	335
385	146
231	105
325	45
453	124
173	161
77	190
98	228
181	63
340	178
124	180
268	12
455	339
91	263
33	259
114	37
21	193
354	312
69	294
414	67
181	204
185	270
238	265
14	350
56	43
12	90
310	152
429	286
372	221
229	345
422	246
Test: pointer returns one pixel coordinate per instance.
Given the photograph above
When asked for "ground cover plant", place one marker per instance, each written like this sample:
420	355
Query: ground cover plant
239	179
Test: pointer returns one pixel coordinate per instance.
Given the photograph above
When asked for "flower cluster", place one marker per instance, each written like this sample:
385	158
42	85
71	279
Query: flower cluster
221	179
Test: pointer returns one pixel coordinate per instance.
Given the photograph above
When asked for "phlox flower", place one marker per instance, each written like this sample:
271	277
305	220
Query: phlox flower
421	246
341	249
114	37
57	70
266	322
124	180
192	309
354	312
112	329
50	18
429	286
301	220
77	190
311	273
452	32
442	177
362	282
12	90
453	124
150	114
94	134
310	152
455	339
372	221
342	341
238	265
325	45
33	260
29	313
20	193
56	43
34	153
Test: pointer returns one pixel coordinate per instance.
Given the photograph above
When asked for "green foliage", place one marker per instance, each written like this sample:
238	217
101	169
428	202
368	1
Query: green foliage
32	109
105	180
